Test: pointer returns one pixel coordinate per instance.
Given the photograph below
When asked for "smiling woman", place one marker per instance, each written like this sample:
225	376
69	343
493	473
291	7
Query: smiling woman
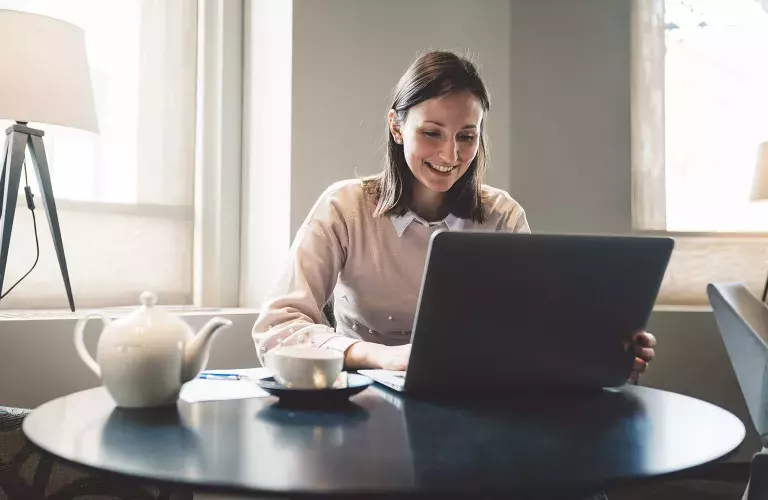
435	134
365	241
442	144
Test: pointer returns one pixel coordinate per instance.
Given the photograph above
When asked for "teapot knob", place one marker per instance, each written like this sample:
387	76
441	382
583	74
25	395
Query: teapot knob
148	299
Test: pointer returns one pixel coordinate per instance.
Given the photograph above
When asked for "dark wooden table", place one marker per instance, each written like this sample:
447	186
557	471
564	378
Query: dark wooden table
384	443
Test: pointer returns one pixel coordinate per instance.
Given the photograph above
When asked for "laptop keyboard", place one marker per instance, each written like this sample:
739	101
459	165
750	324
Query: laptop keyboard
393	379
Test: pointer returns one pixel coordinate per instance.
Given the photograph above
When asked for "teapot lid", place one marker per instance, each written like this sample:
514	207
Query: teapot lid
148	316
148	299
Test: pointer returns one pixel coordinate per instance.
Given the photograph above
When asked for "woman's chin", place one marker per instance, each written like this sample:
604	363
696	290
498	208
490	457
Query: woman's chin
439	183
439	186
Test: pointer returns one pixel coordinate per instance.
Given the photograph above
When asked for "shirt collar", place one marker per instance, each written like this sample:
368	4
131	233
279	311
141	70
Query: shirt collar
452	222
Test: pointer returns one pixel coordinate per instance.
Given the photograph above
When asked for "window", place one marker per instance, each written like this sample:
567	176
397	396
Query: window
125	196
698	117
716	113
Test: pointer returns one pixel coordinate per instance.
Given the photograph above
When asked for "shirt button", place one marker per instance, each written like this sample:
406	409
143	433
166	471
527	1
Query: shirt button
344	296
301	338
390	318
370	330
291	330
263	349
354	326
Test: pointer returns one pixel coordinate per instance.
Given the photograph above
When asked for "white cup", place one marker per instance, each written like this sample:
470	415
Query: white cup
304	367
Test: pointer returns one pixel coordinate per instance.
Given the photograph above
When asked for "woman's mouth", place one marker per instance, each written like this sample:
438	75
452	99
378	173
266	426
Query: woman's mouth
443	169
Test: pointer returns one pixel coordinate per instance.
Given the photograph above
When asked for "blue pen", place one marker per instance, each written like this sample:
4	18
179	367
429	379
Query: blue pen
220	376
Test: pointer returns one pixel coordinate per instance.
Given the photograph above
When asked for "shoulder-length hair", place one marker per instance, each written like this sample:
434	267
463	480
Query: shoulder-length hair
433	74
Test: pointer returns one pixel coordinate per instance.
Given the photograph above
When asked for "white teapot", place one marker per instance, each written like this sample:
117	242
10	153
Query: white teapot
145	357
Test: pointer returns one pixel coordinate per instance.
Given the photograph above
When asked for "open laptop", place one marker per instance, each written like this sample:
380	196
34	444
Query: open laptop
509	312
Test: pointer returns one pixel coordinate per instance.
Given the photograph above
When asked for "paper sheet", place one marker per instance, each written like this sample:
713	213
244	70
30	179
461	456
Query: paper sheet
199	390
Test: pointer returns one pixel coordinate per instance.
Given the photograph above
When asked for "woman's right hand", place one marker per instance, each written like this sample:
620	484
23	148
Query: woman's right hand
366	355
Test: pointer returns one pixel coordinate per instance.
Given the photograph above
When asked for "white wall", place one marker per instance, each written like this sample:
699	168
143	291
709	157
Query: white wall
570	130
347	57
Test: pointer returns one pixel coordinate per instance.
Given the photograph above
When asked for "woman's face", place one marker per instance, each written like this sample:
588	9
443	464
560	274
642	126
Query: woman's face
440	138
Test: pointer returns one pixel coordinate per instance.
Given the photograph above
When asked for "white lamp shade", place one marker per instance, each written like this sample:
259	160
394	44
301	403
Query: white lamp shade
760	182
45	75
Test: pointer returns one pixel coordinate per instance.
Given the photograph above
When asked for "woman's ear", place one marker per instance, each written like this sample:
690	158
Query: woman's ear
394	126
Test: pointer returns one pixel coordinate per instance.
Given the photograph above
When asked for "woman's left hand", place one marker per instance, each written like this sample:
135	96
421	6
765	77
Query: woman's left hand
643	343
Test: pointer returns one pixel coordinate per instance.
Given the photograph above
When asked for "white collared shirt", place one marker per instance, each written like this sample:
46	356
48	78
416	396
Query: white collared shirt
401	222
372	266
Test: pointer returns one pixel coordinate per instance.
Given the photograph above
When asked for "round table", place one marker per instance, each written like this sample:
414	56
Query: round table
382	442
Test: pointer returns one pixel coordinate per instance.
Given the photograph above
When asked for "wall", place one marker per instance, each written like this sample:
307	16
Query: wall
570	121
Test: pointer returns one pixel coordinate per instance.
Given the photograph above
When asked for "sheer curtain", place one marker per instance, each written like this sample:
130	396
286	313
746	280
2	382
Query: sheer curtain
125	196
715	113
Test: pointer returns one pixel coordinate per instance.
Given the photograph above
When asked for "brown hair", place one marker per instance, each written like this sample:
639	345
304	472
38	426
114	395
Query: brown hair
433	74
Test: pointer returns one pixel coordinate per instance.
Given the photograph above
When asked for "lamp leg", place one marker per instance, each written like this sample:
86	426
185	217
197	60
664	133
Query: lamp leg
16	146
37	153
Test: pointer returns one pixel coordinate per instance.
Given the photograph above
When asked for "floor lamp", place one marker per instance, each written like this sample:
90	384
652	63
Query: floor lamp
45	79
760	186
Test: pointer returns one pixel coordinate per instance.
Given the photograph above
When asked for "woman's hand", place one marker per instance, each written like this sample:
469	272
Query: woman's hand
393	357
362	355
643	343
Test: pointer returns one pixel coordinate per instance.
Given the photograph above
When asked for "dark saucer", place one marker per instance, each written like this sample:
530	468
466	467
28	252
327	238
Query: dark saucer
355	383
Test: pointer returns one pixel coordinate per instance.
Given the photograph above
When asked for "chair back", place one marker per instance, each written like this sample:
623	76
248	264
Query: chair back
743	323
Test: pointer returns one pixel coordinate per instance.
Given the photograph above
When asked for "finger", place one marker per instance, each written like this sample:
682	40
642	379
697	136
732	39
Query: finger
639	366
645	353
645	339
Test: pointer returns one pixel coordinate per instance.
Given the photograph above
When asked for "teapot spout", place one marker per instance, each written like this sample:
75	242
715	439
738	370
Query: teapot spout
197	350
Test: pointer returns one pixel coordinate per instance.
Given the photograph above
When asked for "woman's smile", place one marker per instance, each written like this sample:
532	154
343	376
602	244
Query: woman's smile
441	169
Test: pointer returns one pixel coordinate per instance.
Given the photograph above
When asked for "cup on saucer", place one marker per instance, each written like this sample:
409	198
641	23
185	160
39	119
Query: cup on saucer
304	367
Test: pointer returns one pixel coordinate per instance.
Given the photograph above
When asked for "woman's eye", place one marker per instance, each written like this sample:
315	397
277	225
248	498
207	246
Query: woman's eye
432	134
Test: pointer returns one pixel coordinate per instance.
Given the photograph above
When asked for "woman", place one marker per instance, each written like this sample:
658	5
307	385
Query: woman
365	241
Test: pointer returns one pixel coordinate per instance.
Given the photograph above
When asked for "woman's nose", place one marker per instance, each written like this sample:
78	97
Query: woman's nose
450	153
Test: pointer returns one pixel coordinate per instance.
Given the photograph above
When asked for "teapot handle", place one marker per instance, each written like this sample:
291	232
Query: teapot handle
80	345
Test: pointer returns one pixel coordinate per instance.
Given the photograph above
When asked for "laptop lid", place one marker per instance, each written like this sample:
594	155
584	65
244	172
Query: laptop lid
501	312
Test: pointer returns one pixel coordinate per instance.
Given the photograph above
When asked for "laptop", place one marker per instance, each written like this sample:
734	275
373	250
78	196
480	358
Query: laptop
510	312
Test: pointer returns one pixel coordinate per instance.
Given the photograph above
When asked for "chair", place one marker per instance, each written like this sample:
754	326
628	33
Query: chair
743	323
